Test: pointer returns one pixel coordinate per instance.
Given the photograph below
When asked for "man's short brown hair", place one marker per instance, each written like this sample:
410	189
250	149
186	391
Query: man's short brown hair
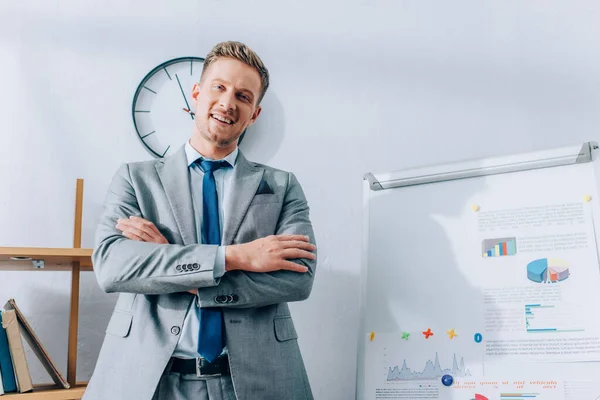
243	53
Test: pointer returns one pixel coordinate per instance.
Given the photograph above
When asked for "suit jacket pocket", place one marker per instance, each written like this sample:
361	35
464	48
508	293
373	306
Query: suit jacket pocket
119	324
284	328
265	199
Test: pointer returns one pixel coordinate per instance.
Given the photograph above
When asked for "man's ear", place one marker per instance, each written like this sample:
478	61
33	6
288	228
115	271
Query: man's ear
255	115
195	91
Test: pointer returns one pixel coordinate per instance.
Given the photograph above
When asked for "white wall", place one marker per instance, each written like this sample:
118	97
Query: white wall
357	86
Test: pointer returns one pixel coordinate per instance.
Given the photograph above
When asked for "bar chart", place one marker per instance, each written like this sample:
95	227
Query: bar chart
518	396
499	247
540	318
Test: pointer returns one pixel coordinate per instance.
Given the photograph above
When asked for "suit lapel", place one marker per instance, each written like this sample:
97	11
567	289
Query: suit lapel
244	184
174	176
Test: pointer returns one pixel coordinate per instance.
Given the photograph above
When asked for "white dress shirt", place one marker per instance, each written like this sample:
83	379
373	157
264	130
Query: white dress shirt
187	346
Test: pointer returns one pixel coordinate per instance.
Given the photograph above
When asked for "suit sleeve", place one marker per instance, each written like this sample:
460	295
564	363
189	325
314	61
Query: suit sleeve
124	265
252	289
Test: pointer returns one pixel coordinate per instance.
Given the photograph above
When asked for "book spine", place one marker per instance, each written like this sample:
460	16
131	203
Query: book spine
17	351
6	367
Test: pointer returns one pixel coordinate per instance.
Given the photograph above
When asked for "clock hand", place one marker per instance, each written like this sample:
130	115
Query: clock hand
184	98
188	111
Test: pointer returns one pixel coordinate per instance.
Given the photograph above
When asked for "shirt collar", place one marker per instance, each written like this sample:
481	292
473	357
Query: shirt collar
192	155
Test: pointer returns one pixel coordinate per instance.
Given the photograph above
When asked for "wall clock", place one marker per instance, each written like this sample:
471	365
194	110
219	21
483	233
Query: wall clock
161	112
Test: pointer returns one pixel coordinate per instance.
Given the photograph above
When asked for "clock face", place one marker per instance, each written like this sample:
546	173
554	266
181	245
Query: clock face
161	109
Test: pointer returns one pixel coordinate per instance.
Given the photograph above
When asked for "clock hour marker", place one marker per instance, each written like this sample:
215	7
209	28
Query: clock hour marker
150	106
147	135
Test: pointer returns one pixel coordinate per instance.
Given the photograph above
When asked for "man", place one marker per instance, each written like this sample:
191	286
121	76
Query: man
205	254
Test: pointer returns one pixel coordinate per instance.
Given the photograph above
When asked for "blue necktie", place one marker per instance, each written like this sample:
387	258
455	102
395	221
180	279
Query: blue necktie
210	336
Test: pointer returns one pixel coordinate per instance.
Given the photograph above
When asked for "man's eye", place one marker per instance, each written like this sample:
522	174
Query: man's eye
244	97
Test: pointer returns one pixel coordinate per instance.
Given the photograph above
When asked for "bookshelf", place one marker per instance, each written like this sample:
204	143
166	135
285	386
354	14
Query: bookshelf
44	392
75	260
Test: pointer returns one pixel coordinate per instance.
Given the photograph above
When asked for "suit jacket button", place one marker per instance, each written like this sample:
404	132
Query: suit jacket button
234	298
178	268
175	330
229	299
195	266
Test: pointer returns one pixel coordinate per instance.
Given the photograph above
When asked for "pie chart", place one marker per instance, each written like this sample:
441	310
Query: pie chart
548	270
480	397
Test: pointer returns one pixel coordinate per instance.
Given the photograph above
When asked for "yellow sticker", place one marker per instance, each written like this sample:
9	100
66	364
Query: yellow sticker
475	207
372	336
587	198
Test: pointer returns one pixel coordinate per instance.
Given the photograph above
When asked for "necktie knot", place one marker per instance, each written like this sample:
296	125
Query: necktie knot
211	166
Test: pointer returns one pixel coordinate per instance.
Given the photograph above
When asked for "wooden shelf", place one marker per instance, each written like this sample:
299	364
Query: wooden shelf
55	259
73	260
50	393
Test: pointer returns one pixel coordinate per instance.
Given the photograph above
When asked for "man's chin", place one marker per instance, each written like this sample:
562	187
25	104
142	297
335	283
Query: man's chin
225	141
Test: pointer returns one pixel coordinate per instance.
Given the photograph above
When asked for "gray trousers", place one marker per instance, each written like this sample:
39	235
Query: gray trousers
175	386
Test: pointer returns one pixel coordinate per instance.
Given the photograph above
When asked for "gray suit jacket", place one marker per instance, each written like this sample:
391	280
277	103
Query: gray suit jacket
152	279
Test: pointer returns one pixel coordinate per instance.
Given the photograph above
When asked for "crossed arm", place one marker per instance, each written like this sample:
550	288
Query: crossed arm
268	254
133	256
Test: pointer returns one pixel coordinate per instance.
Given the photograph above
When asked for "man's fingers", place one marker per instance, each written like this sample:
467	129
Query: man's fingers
297	253
144	236
132	236
139	229
292	266
142	223
298	244
302	238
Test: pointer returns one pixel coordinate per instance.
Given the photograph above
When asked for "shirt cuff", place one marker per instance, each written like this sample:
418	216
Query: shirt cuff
219	269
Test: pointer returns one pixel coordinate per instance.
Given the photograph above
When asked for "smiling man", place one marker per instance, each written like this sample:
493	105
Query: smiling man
206	249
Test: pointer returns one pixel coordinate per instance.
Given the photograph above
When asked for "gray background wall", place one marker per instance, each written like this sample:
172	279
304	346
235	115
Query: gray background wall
357	86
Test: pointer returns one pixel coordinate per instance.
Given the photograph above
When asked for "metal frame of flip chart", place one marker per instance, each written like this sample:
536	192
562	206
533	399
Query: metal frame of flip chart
374	182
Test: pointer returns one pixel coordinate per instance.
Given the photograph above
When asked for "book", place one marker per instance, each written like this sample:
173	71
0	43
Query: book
6	368
36	345
17	352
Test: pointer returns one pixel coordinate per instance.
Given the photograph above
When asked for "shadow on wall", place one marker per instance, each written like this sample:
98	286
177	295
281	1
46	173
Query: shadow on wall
327	327
95	310
262	140
423	244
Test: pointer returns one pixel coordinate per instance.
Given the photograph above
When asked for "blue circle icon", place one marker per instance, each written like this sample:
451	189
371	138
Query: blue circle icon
478	337
447	380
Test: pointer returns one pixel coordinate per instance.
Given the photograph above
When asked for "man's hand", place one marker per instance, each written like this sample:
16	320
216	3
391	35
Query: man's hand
136	228
270	254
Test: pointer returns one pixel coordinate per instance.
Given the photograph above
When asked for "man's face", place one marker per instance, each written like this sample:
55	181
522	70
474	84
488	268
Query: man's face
225	102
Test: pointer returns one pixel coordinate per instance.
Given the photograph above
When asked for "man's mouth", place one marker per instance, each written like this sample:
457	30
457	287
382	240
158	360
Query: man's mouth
222	119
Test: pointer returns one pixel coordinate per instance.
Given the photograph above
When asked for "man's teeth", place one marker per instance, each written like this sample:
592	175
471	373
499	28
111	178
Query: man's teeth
223	119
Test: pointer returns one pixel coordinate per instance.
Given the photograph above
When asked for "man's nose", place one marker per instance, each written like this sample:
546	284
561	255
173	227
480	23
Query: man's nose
227	101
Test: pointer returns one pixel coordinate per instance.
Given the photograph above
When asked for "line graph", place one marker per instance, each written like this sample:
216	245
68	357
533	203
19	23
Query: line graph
432	370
